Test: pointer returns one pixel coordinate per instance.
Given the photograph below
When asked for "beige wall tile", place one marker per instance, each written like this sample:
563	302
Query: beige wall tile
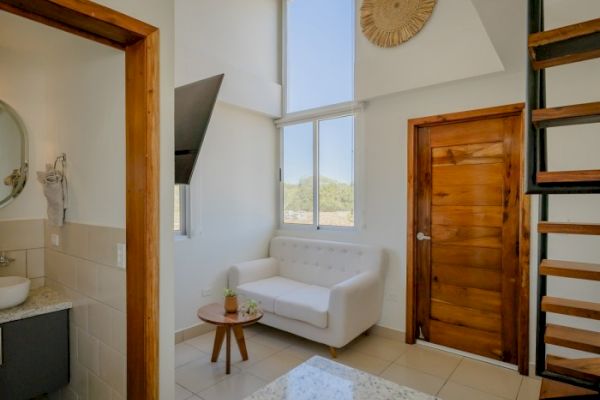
75	240
18	267
119	331
35	263
37	283
112	287
79	379
87	278
87	351
103	244
97	389
22	234
100	321
112	368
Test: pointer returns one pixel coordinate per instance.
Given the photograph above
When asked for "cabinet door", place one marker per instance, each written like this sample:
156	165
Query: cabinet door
35	356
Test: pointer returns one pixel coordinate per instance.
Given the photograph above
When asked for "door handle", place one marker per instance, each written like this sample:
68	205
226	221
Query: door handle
422	236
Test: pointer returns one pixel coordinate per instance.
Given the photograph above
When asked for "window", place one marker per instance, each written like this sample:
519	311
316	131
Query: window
180	210
325	197
319	53
317	131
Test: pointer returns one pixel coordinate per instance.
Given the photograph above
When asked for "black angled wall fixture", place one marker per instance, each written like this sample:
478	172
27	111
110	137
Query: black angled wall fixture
194	104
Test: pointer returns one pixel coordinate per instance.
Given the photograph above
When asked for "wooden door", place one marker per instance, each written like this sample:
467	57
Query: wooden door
468	190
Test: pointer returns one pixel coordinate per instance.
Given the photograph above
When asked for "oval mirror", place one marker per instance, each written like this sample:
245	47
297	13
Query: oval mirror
13	154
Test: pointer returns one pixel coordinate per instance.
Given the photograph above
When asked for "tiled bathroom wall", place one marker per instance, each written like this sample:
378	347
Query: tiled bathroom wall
23	241
82	260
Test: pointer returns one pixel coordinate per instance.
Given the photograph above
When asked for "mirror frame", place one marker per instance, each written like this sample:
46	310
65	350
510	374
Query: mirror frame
24	168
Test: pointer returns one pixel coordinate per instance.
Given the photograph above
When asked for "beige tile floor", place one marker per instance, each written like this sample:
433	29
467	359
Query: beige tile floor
273	353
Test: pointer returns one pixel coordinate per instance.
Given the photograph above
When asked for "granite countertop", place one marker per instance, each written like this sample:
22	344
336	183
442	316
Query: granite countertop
320	378
40	301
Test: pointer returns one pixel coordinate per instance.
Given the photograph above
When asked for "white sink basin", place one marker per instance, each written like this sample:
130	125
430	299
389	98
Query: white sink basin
13	291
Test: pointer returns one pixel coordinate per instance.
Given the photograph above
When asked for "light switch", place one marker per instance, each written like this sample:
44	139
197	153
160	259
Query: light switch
121	255
55	239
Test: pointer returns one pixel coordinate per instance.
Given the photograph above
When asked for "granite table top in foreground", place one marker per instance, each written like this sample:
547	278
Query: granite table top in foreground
322	379
40	301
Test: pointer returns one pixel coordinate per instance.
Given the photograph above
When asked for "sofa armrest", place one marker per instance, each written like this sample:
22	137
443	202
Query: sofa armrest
250	271
355	304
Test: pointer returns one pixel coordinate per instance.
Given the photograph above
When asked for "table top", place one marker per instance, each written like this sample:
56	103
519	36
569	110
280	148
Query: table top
215	314
320	378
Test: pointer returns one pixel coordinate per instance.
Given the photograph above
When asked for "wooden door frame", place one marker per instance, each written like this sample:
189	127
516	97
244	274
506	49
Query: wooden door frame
524	229
140	42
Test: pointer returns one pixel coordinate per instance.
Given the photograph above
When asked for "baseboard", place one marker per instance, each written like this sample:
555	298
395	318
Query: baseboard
193	331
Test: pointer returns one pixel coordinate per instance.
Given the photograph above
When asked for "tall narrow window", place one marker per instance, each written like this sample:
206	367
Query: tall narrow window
320	53
298	200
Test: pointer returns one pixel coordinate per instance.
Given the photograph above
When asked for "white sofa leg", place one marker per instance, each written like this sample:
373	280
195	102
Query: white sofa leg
333	352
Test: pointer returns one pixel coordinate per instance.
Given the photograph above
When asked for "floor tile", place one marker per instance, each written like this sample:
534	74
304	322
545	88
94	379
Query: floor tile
306	349
273	338
199	375
203	342
181	393
184	353
362	361
274	366
234	387
530	389
413	379
378	346
256	352
487	378
430	361
254	330
454	391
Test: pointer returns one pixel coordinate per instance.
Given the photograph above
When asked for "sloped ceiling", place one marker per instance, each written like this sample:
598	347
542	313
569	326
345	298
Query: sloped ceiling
453	45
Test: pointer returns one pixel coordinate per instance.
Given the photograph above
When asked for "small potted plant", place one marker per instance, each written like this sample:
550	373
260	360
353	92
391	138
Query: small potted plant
250	307
231	304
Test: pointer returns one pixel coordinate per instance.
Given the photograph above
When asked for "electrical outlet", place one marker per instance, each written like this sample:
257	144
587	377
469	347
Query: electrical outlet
121	255
55	239
207	292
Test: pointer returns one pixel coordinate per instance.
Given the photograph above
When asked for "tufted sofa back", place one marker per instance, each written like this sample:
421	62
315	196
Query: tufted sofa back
323	263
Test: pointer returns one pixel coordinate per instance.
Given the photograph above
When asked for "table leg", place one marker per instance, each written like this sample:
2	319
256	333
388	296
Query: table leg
228	360
219	336
241	342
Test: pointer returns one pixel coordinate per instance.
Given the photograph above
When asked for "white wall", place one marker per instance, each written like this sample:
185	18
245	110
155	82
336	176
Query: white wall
237	37
233	198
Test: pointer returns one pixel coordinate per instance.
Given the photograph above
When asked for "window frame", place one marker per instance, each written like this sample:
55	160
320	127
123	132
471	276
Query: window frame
184	212
354	109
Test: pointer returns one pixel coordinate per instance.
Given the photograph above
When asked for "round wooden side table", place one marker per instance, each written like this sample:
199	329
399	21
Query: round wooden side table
226	322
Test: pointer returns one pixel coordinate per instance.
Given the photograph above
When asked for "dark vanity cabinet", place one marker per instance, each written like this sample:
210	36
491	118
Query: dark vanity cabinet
34	356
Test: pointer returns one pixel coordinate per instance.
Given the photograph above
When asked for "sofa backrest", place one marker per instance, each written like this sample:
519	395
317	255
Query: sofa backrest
323	263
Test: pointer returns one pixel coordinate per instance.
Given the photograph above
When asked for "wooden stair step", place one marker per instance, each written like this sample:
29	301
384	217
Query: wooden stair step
573	338
587	369
575	308
568	44
591	175
555	390
567	227
570	269
587	113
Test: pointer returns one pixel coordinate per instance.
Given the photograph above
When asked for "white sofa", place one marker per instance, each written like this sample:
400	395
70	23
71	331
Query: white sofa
328	292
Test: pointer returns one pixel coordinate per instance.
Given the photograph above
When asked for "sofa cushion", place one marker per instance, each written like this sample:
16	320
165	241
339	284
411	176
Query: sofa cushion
309	304
266	291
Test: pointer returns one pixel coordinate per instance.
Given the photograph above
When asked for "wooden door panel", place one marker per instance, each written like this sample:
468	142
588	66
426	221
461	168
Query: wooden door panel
470	174
467	215
474	257
457	275
478	153
466	317
475	236
467	133
471	340
466	195
486	300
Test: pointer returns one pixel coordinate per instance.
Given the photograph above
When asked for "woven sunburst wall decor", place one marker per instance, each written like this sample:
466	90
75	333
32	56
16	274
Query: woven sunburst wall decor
389	23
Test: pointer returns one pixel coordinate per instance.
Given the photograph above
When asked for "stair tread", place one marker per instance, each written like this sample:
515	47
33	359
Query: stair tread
576	308
570	269
568	227
581	368
592	175
573	338
568	44
555	390
566	115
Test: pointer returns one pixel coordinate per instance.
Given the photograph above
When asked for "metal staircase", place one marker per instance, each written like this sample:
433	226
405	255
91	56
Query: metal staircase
563	378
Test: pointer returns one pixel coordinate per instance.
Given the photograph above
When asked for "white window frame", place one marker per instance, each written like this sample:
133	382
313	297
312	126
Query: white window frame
184	212
354	109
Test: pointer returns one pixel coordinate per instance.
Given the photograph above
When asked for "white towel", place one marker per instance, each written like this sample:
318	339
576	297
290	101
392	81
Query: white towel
55	190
